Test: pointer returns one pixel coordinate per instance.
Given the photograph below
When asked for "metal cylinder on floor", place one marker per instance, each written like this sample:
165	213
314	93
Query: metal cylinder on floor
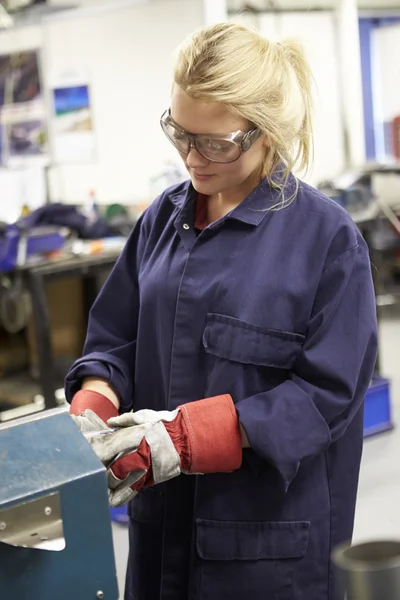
369	571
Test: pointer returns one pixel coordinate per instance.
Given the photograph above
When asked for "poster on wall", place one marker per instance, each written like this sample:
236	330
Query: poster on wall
23	132
73	132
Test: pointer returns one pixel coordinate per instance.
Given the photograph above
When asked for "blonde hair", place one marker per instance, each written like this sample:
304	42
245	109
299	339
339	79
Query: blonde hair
267	83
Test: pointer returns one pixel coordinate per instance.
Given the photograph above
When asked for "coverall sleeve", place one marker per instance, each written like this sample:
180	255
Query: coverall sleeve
301	417
110	347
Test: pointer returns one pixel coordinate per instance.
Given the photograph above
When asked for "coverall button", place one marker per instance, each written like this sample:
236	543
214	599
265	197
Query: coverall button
186	226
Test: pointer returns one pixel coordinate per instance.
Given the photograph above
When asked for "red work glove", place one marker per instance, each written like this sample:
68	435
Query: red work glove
87	402
198	437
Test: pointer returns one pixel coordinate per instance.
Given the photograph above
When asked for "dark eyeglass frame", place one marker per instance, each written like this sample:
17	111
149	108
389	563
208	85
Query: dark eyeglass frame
242	139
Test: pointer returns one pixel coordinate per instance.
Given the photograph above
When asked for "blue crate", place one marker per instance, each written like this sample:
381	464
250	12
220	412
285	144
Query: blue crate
41	240
377	409
120	515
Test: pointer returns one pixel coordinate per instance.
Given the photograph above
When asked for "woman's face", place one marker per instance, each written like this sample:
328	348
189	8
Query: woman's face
209	178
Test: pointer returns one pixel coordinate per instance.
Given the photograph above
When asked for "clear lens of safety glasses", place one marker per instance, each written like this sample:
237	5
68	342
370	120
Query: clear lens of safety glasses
217	148
176	136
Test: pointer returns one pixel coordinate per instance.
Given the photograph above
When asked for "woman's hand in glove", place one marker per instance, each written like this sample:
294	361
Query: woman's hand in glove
89	422
151	447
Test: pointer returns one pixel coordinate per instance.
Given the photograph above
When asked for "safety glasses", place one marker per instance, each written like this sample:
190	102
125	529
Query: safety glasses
221	148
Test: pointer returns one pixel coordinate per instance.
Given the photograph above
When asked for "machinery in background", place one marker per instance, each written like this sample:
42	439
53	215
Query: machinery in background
352	190
55	528
372	197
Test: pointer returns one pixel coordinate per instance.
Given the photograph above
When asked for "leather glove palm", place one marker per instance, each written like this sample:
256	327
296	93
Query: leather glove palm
89	422
151	447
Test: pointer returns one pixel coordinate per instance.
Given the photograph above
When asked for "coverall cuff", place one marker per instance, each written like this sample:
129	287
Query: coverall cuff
284	427
104	366
214	435
82	369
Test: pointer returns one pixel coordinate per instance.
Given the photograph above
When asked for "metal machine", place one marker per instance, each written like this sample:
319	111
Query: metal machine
372	197
55	528
369	571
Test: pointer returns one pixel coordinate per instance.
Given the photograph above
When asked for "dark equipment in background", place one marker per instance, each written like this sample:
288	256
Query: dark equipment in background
372	197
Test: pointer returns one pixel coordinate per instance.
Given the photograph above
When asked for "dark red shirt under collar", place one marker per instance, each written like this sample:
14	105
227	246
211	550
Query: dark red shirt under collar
201	217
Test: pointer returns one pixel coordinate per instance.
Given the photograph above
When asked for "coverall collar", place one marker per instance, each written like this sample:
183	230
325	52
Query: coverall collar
252	210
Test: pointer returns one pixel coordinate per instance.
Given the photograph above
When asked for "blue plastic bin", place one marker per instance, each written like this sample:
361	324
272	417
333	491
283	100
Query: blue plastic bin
41	240
377	407
119	515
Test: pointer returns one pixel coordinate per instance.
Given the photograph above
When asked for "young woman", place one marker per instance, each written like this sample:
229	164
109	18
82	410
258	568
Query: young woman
239	326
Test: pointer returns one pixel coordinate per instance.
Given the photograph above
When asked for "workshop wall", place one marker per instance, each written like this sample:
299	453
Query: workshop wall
20	39
127	55
386	86
316	31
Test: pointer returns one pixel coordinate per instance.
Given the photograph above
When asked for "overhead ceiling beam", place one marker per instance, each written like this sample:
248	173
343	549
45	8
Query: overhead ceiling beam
283	6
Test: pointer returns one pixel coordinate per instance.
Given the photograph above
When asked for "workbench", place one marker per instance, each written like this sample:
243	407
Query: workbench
93	269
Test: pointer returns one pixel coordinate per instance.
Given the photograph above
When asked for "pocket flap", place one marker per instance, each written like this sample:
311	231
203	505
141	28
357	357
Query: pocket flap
236	340
264	540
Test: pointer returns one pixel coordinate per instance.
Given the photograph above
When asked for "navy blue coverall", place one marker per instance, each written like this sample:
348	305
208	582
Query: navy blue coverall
276	308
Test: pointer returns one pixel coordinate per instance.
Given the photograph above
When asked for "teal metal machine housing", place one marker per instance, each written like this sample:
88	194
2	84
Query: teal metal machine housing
55	527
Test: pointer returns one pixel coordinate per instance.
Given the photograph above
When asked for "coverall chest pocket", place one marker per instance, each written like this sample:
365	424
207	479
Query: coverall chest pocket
254	560
242	352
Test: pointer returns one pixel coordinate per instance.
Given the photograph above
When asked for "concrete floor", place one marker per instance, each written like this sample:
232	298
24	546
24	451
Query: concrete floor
378	507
